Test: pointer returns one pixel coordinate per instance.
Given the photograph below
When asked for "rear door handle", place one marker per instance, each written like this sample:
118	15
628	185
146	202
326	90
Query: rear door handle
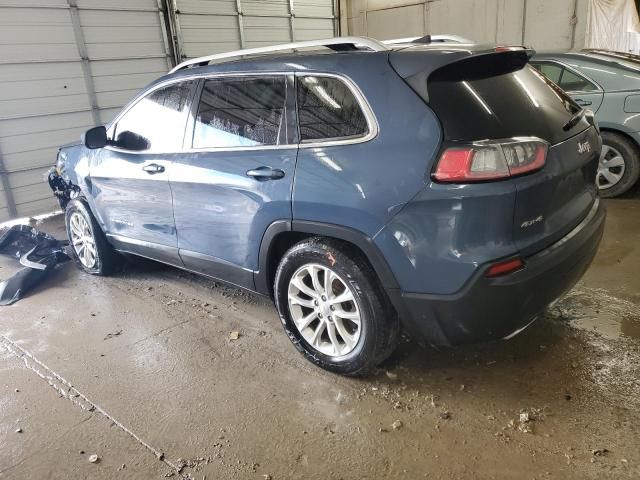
265	173
583	103
153	168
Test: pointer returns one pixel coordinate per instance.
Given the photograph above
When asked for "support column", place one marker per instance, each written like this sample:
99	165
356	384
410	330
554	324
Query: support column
167	24
240	23
292	24
343	21
8	193
86	67
524	21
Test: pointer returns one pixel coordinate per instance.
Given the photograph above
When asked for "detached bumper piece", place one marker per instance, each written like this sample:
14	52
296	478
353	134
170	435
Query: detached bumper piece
38	252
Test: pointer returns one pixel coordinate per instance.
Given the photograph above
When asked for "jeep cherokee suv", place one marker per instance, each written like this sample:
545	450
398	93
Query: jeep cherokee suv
446	188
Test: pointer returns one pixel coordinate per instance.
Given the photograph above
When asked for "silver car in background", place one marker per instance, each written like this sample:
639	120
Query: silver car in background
609	84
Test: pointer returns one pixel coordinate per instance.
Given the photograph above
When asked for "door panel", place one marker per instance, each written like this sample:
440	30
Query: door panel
130	178
591	100
238	178
133	203
222	213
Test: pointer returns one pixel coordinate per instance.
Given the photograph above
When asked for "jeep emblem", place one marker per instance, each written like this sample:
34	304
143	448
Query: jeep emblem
584	147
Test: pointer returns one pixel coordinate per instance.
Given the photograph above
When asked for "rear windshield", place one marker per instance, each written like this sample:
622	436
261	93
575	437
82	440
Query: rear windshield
487	99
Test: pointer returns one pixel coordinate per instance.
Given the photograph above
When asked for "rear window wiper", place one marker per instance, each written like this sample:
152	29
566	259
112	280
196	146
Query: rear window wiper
573	121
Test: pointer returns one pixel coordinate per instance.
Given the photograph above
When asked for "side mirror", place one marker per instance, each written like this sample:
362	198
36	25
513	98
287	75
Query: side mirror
96	137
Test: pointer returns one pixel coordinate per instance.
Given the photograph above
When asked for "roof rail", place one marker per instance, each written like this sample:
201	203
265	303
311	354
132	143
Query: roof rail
338	44
426	39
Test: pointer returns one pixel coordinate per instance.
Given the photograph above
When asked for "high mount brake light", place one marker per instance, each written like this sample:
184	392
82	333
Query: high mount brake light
484	161
509	48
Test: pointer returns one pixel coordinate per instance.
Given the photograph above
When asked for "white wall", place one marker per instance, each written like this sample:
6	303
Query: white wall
49	95
206	27
547	23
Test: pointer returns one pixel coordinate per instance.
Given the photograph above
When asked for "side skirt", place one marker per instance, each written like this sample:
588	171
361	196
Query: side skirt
200	264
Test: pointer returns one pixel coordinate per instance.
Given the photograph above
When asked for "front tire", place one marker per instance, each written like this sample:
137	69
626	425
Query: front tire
619	166
90	249
333	308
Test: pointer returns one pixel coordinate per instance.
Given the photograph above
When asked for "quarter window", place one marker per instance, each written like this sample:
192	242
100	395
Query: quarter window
571	82
565	78
156	122
240	112
327	109
551	71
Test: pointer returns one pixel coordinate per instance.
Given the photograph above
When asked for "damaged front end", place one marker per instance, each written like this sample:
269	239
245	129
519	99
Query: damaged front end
62	189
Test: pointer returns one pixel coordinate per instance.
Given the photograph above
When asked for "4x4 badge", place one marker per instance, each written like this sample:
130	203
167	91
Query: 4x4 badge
584	147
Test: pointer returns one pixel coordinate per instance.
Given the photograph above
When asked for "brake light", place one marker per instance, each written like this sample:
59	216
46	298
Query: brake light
502	268
509	48
490	160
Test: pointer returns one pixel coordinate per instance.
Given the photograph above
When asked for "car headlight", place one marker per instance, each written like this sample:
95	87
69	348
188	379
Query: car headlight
60	161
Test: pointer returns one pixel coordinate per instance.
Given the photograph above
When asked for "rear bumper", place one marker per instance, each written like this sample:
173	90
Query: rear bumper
491	308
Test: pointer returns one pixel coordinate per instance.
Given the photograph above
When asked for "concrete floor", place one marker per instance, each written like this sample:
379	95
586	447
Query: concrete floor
141	365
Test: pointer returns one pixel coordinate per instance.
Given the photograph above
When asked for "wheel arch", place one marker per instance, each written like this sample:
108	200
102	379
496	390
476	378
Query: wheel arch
283	234
622	133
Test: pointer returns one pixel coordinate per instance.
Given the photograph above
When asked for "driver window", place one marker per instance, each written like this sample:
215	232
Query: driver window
156	122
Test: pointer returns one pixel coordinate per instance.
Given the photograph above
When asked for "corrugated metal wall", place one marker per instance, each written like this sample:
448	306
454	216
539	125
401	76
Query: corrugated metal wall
543	24
49	95
66	65
206	26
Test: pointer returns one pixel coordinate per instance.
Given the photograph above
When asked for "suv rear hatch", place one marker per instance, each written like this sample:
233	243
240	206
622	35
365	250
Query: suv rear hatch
494	104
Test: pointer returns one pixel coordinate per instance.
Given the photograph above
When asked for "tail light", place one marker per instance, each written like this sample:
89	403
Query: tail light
489	160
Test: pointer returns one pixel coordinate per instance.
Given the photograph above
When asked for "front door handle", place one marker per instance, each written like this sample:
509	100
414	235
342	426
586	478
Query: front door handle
583	103
265	173
153	168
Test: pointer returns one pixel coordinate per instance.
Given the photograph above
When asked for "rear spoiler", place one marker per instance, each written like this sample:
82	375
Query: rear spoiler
416	65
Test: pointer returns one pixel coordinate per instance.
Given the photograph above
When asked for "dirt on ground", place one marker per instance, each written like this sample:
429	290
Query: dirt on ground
157	373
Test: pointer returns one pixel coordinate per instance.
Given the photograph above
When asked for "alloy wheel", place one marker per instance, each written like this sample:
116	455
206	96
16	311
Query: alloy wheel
324	310
82	240
610	168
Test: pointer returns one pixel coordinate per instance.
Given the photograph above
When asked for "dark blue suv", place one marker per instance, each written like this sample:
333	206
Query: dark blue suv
449	189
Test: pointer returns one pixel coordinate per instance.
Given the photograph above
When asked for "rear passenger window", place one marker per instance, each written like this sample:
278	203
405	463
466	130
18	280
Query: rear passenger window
240	112
327	109
551	71
156	122
565	78
570	82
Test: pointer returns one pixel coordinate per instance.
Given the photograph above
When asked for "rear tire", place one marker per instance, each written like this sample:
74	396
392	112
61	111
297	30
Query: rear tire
349	337
89	246
616	146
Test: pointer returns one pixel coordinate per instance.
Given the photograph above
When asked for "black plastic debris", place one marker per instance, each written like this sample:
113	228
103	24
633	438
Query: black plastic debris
37	251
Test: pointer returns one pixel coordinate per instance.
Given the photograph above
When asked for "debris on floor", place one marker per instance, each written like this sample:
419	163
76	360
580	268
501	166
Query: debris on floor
391	376
117	333
37	251
94	458
234	335
445	415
